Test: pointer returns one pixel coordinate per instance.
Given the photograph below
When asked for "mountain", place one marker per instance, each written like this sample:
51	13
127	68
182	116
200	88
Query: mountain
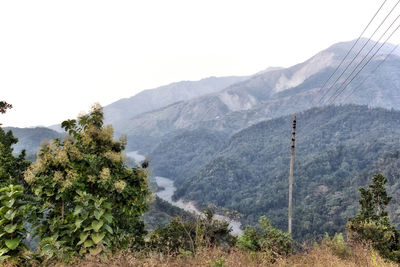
266	95
334	145
31	138
152	99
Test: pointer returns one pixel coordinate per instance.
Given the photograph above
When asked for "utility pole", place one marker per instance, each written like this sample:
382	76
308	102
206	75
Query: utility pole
291	177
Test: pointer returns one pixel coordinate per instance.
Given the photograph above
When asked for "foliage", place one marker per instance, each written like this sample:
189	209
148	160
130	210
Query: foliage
335	147
372	223
176	157
86	196
265	238
11	168
337	245
13	213
4	106
162	212
181	235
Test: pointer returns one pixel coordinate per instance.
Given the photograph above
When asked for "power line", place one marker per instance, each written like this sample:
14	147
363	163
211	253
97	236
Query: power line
348	52
387	39
372	72
359	63
358	53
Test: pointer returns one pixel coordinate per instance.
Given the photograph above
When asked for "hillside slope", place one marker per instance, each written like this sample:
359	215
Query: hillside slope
334	145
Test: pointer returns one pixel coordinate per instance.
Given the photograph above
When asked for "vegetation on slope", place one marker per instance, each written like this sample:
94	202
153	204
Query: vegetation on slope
185	154
334	145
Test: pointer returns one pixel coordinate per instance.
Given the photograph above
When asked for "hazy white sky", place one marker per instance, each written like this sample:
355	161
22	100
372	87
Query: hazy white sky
59	57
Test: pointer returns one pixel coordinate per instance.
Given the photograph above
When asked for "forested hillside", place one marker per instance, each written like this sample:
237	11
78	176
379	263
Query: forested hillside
184	154
248	173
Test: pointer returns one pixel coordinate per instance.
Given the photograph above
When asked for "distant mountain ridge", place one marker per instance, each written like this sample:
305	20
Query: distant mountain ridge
162	96
264	96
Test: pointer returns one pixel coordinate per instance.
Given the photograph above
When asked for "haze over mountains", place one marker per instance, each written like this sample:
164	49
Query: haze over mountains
152	99
266	95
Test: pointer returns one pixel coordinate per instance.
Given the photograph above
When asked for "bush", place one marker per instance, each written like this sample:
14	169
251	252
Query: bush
384	238
337	245
265	238
181	235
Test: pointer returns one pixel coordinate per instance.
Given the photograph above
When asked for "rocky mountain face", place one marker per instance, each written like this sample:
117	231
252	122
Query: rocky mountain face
267	95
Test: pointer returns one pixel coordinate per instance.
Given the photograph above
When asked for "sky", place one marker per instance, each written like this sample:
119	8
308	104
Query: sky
57	58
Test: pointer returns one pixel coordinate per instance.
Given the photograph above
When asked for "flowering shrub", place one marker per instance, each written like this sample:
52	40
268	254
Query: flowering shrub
86	175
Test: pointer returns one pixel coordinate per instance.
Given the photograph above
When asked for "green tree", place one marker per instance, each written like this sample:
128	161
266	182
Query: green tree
88	199
4	106
11	167
372	223
374	201
12	204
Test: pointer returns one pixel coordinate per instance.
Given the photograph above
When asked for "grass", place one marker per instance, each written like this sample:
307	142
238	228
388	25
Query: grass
319	256
327	253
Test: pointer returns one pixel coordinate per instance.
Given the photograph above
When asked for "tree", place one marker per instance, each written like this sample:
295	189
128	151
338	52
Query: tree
11	168
12	204
372	223
87	197
4	106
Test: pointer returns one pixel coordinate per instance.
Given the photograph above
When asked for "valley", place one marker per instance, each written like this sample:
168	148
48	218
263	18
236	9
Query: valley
167	190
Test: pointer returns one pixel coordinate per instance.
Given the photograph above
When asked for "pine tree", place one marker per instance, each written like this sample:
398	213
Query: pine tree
374	200
372	223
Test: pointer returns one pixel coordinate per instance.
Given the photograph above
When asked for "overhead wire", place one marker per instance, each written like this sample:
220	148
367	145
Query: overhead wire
352	47
339	90
358	53
372	72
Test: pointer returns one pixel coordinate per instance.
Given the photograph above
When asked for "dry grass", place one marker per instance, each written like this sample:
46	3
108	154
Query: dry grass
214	257
325	257
318	256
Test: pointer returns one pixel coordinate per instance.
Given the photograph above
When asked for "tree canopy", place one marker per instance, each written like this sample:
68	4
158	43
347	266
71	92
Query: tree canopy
87	196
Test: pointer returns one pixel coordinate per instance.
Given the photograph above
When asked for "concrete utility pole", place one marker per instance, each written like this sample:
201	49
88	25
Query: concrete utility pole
291	177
